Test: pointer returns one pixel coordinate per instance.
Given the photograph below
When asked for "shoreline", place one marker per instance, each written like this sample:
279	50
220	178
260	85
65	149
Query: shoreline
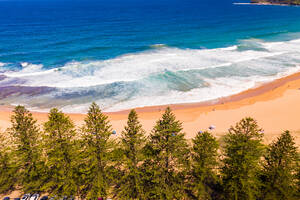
249	93
252	92
274	105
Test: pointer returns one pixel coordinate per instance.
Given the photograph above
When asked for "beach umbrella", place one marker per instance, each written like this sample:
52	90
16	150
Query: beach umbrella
212	127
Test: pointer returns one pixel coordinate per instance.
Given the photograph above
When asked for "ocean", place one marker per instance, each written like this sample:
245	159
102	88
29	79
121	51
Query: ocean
124	54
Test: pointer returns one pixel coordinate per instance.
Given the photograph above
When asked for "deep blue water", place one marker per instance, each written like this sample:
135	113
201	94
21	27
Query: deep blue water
53	32
128	53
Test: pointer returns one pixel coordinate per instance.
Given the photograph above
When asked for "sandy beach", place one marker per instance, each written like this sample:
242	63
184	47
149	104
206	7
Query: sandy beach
213	64
274	105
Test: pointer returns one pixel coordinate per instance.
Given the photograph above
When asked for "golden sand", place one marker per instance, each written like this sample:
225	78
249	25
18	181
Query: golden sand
275	105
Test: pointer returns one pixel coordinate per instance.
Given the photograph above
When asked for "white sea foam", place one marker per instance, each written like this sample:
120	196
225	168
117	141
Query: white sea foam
242	3
161	75
218	88
133	67
158	46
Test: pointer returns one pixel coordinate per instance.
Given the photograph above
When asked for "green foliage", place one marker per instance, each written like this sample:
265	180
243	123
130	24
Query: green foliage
160	166
204	153
97	151
167	160
280	169
242	153
7	169
26	137
298	177
61	157
132	142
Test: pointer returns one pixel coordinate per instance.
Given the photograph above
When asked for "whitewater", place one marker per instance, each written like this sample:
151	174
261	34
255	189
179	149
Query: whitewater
160	76
125	54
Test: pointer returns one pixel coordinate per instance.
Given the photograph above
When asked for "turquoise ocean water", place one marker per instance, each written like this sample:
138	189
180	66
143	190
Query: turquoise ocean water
132	53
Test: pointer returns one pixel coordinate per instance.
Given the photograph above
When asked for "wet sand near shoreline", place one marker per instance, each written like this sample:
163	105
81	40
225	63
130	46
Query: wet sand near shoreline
275	105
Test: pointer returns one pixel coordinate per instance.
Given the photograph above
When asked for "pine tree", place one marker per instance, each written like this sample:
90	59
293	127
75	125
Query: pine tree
165	167
25	135
97	153
280	168
204	155
298	177
7	168
132	142
59	148
242	153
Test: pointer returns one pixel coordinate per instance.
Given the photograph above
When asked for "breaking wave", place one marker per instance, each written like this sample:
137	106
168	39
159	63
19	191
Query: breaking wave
161	75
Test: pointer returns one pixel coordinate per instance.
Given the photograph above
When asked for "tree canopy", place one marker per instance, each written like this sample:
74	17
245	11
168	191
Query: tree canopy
94	161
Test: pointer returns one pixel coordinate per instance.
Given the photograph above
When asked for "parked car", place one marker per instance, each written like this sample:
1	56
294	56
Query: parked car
44	198
34	197
26	196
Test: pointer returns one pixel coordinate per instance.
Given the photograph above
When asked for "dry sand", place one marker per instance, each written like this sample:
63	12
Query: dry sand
275	105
